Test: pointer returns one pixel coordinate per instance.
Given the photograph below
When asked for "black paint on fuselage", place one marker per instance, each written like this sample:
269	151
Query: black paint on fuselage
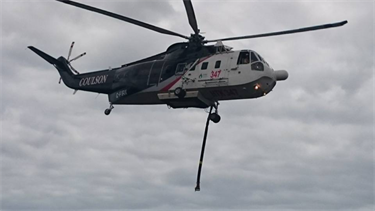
142	75
135	76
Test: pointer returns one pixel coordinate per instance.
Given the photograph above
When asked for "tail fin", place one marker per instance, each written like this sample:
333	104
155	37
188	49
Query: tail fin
92	81
45	56
61	64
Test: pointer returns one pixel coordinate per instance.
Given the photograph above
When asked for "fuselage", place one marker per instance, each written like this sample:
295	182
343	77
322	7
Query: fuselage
207	75
225	75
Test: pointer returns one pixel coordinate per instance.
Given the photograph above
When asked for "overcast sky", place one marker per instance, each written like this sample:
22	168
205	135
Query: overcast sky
308	145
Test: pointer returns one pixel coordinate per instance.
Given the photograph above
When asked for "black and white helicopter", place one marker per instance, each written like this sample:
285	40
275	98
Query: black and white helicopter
187	74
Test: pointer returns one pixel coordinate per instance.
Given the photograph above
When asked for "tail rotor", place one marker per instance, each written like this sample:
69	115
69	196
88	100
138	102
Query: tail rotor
71	60
70	50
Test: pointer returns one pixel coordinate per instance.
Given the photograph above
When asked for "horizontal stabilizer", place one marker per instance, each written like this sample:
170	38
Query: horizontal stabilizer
45	56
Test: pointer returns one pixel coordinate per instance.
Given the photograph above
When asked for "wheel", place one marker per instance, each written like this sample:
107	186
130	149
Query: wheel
107	111
179	92
215	117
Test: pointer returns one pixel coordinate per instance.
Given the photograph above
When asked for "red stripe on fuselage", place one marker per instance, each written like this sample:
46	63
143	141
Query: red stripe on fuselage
166	88
200	61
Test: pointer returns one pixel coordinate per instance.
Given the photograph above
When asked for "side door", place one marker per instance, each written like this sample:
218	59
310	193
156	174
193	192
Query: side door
233	61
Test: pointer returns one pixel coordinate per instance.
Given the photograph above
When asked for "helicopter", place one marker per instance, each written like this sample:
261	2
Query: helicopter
188	74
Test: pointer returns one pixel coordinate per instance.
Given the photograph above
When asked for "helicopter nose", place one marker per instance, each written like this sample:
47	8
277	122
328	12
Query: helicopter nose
280	75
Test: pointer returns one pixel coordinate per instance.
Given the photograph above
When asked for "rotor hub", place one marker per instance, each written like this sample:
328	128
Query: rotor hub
196	40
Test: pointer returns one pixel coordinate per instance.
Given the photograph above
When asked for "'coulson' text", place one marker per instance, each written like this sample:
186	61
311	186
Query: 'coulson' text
88	81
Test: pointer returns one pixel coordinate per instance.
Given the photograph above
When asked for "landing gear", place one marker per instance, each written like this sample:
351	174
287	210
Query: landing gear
179	92
108	110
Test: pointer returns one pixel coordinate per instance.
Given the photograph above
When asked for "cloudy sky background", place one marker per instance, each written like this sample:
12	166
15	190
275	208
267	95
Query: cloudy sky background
306	145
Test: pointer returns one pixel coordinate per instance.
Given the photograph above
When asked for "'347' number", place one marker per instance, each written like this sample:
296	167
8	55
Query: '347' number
215	74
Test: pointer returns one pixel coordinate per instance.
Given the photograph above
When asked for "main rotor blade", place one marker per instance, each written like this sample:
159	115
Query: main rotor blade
123	18
312	28
191	16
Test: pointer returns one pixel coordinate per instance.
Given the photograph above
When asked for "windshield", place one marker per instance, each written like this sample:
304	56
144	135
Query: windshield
261	59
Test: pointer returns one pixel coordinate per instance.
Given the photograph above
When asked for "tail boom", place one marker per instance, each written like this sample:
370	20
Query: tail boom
98	81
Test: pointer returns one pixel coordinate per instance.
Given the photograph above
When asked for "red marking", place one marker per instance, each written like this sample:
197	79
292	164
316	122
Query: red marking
200	61
166	88
215	74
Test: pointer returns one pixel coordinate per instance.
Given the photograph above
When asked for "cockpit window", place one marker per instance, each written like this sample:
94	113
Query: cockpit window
253	57
262	59
243	58
257	66
256	62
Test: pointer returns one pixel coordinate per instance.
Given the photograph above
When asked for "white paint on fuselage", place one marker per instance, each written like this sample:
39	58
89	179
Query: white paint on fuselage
228	74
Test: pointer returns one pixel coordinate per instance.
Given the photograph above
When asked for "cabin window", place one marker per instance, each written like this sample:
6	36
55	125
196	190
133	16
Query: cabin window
204	66
180	69
217	64
243	58
193	68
